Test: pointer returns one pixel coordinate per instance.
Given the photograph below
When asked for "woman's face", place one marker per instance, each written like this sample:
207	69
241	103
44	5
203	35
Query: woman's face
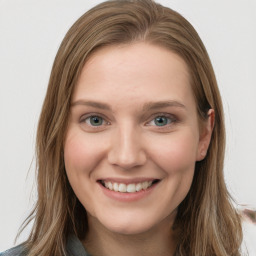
133	137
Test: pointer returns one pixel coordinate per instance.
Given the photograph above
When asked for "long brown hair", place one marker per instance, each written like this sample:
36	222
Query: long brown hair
207	223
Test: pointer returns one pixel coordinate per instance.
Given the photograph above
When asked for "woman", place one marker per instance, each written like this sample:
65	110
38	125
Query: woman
131	141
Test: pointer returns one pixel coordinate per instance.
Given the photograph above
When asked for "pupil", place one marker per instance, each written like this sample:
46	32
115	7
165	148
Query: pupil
160	121
95	120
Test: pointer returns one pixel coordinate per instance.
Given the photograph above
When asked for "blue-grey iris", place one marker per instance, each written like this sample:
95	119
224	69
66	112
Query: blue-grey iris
161	121
96	120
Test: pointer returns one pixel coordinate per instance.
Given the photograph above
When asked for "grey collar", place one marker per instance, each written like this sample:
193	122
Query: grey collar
75	247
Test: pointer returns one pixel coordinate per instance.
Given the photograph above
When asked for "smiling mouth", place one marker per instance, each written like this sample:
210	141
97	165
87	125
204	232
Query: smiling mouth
128	188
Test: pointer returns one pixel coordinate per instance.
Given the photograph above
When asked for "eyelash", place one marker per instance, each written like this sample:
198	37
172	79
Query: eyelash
172	120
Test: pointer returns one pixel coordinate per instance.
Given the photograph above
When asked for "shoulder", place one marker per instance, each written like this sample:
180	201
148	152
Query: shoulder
16	251
74	248
249	237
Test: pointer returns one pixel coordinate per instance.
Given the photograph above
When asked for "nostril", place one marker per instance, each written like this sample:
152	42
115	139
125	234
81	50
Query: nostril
126	156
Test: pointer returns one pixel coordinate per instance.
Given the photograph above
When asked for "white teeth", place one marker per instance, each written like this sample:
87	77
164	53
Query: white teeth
138	187
115	187
109	185
122	188
127	188
144	184
131	188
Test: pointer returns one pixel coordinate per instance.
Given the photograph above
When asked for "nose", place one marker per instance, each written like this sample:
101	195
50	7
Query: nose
126	150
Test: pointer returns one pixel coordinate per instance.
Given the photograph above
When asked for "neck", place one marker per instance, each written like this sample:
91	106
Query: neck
159	240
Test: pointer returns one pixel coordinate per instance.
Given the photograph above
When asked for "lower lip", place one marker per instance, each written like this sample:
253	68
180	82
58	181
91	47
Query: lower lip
127	197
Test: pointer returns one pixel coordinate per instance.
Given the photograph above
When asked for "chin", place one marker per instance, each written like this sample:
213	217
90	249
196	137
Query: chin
129	224
131	229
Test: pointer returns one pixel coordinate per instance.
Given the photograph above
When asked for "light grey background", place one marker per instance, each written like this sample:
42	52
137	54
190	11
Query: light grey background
30	34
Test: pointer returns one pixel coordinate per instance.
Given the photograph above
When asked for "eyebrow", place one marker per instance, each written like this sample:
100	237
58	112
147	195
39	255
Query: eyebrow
91	104
146	107
162	104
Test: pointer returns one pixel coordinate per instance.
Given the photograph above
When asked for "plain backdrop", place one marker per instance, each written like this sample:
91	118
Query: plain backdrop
30	34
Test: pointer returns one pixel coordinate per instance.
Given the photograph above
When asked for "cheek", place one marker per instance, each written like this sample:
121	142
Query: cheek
176	157
81	152
175	153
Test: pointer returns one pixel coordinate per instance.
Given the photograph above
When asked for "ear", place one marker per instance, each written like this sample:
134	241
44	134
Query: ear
205	135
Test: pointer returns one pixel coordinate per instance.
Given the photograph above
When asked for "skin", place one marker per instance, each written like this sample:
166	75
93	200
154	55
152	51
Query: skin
130	80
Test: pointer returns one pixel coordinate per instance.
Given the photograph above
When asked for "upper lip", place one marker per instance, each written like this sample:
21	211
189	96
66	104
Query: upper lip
128	181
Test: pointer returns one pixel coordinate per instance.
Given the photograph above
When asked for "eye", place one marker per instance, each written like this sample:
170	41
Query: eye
161	120
94	121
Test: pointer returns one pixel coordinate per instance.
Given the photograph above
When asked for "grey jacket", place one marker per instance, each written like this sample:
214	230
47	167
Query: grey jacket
74	248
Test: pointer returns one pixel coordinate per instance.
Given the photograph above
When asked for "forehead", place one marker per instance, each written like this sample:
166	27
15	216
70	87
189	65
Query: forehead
137	72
